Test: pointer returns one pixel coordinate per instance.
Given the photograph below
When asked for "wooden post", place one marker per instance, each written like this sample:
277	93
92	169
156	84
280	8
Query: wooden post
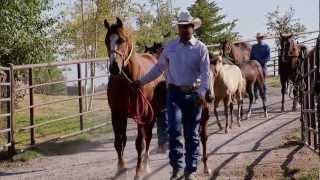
80	95
12	148
31	103
274	66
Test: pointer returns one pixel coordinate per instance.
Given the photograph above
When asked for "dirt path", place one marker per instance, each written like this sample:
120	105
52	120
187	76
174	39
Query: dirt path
260	149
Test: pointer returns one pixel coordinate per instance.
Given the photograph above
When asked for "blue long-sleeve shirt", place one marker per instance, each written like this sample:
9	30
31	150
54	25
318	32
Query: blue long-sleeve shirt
261	53
184	63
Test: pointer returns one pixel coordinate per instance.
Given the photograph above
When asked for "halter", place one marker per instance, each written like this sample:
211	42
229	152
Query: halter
127	60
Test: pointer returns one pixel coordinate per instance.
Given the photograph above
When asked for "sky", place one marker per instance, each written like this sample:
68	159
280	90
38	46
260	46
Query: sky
251	14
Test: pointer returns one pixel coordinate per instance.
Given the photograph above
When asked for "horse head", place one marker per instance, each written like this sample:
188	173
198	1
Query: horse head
119	46
290	50
226	48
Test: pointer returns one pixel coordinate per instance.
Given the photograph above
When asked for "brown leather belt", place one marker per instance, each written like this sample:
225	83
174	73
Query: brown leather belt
184	89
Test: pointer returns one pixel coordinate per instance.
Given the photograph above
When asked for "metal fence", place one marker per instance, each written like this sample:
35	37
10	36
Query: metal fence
22	122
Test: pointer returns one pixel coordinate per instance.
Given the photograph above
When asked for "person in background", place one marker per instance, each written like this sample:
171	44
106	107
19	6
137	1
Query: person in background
186	63
261	53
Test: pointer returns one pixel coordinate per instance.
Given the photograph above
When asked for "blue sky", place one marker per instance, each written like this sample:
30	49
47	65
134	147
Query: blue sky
251	14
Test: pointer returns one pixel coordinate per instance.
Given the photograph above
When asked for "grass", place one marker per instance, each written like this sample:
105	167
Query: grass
314	174
273	81
55	111
27	155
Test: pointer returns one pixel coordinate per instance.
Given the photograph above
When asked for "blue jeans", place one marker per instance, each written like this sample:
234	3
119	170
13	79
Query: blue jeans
162	127
183	113
265	88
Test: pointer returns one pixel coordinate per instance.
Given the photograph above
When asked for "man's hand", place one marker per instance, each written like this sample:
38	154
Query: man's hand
136	84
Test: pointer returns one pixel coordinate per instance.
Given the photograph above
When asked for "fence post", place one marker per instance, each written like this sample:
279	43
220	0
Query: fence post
31	103
8	106
12	148
80	95
274	65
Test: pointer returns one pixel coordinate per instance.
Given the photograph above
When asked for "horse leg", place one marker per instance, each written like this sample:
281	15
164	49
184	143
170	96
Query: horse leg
139	148
231	114
240	113
204	138
216	104
226	106
119	125
263	96
295	96
148	137
250	93
283	92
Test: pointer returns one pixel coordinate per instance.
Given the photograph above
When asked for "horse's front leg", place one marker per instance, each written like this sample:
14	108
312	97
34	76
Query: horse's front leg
216	104
226	112
295	98
283	92
204	137
119	125
139	148
147	137
231	114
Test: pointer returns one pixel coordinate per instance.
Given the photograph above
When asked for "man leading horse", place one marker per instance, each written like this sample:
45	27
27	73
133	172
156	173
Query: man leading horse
186	62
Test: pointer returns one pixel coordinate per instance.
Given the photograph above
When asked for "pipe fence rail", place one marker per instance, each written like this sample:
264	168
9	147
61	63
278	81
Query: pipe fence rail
26	125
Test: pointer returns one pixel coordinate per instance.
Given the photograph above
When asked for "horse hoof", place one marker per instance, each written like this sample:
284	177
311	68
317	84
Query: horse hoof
266	115
147	168
208	172
226	131
136	177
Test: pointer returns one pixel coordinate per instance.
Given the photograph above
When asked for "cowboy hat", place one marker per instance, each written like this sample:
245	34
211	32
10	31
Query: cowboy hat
260	35
186	18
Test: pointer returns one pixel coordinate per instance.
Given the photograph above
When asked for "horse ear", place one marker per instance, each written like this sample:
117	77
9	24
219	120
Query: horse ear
119	22
106	24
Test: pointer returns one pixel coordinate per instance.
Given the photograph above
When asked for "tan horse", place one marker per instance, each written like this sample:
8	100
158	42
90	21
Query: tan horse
127	65
229	86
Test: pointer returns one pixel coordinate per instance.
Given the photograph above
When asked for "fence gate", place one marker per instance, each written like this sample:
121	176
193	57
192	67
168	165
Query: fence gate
310	101
6	105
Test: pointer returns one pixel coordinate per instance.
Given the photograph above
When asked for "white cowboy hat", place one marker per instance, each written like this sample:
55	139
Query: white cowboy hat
260	35
186	18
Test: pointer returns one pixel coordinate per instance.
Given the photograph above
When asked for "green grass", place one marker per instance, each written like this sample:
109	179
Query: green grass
273	81
55	111
314	174
27	155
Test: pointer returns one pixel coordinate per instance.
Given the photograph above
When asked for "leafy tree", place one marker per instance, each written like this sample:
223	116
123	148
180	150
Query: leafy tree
286	22
155	28
213	29
26	32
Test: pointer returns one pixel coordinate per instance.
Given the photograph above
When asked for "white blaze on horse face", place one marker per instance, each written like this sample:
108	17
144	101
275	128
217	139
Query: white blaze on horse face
113	47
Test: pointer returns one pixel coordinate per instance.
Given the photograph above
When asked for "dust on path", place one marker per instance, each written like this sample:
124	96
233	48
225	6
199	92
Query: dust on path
260	149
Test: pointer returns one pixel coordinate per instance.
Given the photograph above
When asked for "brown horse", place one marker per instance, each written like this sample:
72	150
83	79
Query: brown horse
254	75
236	52
239	54
127	65
289	60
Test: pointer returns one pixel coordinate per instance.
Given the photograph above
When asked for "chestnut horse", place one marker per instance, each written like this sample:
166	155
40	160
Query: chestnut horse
125	66
236	52
289	64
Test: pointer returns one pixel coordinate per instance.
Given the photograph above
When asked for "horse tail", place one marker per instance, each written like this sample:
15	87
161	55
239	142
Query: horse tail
260	79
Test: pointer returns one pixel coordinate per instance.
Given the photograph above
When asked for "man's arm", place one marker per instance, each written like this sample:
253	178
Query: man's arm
156	70
268	54
204	72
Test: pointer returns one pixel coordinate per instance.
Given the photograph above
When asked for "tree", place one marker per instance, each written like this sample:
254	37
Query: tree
155	28
213	29
27	32
286	22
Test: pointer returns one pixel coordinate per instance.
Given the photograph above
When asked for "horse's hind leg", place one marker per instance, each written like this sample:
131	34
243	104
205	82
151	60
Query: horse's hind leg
204	138
148	137
119	124
216	104
295	99
231	114
250	93
263	97
139	148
